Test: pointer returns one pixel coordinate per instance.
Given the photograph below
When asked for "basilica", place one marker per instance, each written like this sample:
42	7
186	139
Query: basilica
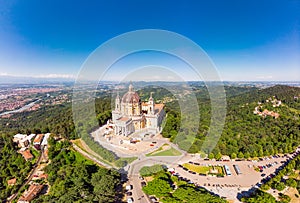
131	115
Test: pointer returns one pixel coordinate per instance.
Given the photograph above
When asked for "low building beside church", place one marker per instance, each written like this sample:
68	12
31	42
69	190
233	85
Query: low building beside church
131	115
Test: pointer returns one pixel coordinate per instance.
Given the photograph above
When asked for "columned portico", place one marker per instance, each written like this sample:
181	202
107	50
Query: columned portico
124	126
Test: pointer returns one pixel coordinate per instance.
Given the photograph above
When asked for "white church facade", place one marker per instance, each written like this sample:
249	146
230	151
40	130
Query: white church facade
131	115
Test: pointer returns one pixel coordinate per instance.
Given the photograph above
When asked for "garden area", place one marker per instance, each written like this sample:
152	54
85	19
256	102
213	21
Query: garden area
165	150
205	170
169	189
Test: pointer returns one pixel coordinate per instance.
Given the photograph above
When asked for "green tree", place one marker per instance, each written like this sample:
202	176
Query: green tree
291	183
279	186
158	187
218	156
233	156
240	155
247	155
211	155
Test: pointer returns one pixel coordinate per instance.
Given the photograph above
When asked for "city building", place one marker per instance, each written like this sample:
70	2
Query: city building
131	114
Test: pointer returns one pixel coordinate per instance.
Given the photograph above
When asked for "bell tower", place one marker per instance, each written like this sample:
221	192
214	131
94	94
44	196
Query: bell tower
151	105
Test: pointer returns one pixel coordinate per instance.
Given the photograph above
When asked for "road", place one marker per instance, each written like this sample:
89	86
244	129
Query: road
133	173
228	186
30	175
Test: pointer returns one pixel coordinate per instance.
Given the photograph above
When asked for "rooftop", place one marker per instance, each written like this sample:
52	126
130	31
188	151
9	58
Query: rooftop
158	107
124	119
26	154
12	181
38	138
32	192
20	136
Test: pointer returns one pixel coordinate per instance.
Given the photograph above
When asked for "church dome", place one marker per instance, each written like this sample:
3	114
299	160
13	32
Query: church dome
131	96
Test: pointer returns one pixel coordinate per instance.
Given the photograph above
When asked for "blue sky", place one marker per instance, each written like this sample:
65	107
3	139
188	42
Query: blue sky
247	40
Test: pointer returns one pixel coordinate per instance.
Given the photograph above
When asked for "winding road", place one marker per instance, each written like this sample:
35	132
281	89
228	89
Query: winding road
29	177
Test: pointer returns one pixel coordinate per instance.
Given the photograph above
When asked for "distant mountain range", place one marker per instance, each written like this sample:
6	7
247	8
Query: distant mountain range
7	79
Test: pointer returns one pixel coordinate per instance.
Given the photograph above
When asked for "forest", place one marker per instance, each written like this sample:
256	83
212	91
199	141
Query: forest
162	186
245	134
75	179
12	165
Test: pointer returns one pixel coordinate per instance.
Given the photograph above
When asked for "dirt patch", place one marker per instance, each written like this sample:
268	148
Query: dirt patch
148	179
291	193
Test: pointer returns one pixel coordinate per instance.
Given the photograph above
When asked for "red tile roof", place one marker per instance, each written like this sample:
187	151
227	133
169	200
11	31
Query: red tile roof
38	138
32	192
12	181
123	119
26	154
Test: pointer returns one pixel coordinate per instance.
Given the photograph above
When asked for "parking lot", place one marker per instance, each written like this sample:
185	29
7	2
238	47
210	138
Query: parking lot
229	186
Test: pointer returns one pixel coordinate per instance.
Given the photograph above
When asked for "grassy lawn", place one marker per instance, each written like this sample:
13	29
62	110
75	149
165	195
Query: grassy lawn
167	152
128	159
78	142
203	169
197	169
81	144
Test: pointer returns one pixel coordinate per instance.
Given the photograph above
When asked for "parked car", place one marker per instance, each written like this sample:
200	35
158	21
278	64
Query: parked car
130	200
129	187
153	199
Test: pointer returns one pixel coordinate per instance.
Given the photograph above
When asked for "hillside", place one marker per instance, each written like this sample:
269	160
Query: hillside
245	133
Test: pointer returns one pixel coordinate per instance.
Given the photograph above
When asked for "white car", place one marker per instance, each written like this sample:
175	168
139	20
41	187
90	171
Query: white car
130	200
128	187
